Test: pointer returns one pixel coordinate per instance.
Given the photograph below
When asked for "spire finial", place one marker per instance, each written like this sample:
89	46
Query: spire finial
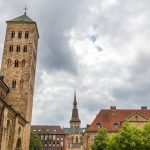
25	10
75	101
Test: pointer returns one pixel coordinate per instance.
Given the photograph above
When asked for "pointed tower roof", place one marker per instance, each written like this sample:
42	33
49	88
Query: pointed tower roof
75	116
23	18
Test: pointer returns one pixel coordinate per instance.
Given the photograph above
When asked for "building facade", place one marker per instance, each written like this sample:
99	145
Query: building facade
74	134
51	137
112	119
18	69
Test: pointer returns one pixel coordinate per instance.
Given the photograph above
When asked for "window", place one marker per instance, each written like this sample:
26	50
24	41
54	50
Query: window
9	62
13	34
10	48
50	137
19	34
93	137
26	35
23	62
25	48
98	126
42	137
16	63
21	84
18	48
115	125
46	137
14	84
76	139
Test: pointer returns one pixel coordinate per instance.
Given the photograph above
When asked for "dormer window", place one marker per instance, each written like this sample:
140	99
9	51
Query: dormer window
98	126
115	125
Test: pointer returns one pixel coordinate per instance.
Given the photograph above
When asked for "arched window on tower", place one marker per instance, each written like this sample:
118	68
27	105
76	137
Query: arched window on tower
25	48
19	34
16	63
18	48
10	48
18	144
23	62
26	35
13	34
21	84
14	84
8	62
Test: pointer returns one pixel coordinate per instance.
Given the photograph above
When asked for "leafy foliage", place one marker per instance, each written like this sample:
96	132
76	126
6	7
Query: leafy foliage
35	142
100	140
130	137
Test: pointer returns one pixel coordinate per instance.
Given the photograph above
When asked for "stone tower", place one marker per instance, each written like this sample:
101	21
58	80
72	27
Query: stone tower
18	67
75	121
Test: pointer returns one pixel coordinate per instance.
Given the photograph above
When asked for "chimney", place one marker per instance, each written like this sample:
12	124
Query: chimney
143	107
113	107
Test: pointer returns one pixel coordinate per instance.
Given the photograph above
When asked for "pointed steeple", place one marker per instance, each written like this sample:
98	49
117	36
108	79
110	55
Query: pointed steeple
75	121
75	101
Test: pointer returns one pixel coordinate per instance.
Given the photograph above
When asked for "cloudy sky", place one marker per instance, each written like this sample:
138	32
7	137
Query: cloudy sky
99	47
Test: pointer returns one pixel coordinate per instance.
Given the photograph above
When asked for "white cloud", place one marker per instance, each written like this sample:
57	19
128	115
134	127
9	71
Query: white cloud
99	47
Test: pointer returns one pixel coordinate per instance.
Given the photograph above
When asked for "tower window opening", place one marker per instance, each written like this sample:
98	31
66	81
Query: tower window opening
16	63
18	48
13	34
8	62
19	34
23	62
14	84
10	48
25	48
21	84
26	35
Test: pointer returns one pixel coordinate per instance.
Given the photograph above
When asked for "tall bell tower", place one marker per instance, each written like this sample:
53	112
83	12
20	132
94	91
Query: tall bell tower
18	66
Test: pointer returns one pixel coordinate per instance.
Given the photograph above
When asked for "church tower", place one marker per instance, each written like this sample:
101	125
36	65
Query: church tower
75	121
18	66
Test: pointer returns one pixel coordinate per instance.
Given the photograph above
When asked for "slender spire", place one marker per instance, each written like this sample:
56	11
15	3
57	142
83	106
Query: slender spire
75	121
75	101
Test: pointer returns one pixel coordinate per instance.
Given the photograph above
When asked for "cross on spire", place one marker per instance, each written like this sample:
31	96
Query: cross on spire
25	10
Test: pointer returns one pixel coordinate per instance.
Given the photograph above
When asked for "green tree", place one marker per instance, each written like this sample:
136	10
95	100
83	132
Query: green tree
34	142
100	141
146	135
129	138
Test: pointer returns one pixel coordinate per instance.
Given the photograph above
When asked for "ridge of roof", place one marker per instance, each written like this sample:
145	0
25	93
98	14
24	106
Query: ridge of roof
22	18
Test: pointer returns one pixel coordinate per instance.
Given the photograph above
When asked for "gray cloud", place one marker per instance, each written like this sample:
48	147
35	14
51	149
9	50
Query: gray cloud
99	47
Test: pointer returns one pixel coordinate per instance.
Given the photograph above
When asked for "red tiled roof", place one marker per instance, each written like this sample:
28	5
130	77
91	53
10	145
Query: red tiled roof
107	117
47	128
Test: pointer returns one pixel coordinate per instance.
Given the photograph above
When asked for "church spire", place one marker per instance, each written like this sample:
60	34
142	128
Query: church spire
75	121
75	101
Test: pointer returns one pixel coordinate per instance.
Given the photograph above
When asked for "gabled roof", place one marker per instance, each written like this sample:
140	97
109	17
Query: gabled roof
23	18
108	117
47	129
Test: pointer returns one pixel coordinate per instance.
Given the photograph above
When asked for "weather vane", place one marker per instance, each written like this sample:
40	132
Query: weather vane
25	10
